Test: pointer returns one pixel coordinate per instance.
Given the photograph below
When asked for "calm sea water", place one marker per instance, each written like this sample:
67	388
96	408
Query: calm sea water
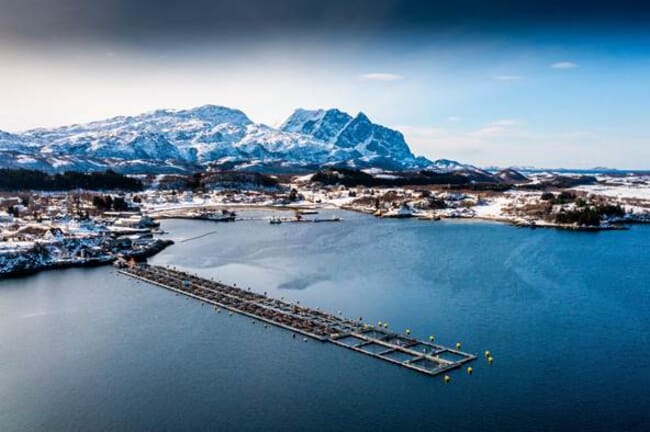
566	316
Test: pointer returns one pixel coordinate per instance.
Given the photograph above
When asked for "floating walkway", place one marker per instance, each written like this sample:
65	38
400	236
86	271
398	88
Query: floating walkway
422	356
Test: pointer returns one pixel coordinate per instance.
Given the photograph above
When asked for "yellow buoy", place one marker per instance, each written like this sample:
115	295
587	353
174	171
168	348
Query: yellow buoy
458	345
490	359
487	354
447	378
408	331
432	338
385	325
379	323
469	370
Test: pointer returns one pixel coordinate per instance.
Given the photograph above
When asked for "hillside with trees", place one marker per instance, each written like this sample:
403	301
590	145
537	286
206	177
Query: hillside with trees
23	179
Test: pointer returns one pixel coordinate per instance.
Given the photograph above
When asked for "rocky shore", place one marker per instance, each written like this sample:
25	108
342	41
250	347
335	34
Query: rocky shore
39	258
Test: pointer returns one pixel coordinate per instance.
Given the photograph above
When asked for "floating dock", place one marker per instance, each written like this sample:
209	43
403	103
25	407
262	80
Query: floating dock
422	356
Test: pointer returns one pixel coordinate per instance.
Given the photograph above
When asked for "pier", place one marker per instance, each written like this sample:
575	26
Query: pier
376	341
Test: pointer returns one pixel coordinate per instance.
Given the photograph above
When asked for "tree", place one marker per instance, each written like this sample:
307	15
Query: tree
547	196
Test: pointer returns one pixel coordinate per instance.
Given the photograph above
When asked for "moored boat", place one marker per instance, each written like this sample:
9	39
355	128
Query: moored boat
224	216
332	219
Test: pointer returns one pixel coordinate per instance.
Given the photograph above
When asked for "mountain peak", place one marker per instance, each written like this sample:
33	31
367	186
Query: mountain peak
322	124
362	117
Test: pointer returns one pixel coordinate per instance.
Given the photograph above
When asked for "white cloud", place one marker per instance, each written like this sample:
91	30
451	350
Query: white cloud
565	65
453	119
505	122
508	77
491	132
499	128
438	142
463	144
512	142
380	76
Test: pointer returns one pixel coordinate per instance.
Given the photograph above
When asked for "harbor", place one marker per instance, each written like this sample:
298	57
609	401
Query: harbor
227	215
423	356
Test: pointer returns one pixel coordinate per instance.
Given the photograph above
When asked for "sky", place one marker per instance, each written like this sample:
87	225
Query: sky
504	82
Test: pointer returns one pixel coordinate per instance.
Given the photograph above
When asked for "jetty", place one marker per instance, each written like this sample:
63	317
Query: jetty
377	341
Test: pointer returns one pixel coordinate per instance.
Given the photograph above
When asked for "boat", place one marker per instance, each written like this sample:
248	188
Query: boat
224	216
404	211
275	220
332	219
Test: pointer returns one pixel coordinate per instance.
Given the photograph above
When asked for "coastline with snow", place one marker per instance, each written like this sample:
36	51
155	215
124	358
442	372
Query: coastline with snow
25	262
524	208
51	230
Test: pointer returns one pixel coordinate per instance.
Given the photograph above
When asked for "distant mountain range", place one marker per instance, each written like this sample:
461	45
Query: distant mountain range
577	171
215	136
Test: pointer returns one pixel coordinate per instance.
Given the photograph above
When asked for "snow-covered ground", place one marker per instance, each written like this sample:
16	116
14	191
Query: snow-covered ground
628	191
492	208
28	245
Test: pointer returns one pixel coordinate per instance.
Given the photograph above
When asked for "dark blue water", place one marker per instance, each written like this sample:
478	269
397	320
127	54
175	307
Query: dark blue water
566	316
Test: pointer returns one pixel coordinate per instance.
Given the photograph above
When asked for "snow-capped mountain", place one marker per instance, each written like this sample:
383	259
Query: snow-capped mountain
446	165
181	140
355	138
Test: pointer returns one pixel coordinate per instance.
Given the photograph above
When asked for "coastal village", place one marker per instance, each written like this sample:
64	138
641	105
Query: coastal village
41	230
57	230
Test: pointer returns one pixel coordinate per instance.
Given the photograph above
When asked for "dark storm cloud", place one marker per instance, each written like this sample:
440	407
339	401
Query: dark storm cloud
109	19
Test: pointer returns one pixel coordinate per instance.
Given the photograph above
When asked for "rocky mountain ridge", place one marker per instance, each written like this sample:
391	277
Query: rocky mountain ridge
214	136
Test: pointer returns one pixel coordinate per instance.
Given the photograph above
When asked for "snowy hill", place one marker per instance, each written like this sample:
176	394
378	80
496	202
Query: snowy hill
182	140
510	175
446	165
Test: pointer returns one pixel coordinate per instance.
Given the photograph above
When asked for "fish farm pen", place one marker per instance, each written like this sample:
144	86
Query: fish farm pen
422	356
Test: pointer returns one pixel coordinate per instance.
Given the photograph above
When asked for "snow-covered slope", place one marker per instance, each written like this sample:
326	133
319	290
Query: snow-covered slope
168	140
12	142
354	138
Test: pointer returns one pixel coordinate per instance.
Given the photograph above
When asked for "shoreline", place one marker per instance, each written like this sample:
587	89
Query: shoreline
508	221
164	214
139	255
551	225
